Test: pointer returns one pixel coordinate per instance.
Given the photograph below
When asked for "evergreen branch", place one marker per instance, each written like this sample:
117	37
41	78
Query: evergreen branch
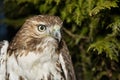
103	5
115	26
108	46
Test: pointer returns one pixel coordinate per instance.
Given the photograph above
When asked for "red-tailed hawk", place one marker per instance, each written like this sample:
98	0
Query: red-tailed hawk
37	52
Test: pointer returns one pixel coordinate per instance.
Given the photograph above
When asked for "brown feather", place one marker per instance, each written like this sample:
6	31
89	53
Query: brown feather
68	62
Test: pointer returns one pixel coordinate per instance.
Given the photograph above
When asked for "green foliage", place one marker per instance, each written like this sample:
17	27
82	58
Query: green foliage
91	30
110	46
103	4
115	25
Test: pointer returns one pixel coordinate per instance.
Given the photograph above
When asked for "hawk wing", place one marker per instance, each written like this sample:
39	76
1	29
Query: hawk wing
66	63
3	54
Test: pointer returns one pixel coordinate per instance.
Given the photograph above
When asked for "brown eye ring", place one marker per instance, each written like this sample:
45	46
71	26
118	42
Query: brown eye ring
41	27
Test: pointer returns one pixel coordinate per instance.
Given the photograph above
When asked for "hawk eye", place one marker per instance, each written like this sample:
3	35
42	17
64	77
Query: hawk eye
41	27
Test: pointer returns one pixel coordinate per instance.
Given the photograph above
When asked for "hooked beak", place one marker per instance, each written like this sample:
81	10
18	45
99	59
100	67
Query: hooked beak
57	33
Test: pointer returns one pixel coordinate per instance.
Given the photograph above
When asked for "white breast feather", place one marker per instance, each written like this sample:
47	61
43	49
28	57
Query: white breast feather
35	66
63	65
3	52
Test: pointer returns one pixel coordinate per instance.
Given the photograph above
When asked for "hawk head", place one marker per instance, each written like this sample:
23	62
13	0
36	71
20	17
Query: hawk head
36	31
44	26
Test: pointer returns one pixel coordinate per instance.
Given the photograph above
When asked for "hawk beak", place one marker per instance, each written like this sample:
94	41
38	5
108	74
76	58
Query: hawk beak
57	33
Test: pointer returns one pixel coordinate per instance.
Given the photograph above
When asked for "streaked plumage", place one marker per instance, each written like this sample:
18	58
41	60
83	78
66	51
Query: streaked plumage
3	57
38	52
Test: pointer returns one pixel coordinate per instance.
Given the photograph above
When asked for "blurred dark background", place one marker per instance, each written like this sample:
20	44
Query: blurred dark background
91	31
3	27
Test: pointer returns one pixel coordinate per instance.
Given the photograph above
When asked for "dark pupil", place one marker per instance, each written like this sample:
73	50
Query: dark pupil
42	27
